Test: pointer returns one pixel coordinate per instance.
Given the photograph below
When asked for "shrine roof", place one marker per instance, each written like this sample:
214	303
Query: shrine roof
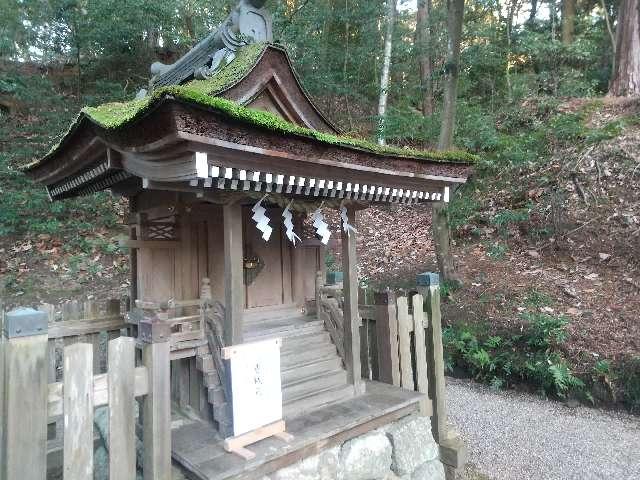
119	115
253	113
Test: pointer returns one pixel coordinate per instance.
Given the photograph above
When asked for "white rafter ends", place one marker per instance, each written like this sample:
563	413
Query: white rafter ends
202	168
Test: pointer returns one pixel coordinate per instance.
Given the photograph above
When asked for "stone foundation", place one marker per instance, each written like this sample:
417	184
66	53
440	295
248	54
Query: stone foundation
404	450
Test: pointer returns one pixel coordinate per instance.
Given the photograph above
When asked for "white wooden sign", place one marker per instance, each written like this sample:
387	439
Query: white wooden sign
256	391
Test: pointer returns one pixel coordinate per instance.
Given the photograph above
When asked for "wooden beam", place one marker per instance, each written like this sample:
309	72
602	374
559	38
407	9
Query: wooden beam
149	243
234	290
350	316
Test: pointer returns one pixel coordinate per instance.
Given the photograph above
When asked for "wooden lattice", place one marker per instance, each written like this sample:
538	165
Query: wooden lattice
161	229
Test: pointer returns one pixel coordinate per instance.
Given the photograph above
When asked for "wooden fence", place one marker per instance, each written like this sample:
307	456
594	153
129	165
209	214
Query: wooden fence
401	344
44	391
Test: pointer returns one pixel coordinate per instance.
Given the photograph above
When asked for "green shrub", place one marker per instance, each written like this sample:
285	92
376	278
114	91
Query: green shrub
628	382
532	356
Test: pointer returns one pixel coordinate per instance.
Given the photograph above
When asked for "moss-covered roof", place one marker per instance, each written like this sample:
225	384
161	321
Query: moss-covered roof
112	116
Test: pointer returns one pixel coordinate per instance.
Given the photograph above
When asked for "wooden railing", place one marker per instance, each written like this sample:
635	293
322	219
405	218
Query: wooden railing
329	310
82	321
28	401
401	344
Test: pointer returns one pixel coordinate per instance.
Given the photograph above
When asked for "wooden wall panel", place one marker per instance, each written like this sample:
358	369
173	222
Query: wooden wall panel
215	251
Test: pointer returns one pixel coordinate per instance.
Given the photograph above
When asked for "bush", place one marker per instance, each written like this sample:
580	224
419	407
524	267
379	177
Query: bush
628	382
532	356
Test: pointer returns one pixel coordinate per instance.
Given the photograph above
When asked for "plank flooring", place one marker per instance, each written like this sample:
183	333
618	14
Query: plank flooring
199	449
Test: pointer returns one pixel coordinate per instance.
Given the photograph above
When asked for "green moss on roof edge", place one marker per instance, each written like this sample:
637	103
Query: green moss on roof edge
112	116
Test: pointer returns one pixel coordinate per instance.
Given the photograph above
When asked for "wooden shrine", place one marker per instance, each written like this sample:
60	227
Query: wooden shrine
224	128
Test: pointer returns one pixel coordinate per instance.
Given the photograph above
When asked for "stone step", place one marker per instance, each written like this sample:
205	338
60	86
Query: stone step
311	385
312	368
297	406
308	355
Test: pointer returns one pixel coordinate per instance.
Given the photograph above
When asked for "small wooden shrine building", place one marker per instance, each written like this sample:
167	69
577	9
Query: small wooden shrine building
221	128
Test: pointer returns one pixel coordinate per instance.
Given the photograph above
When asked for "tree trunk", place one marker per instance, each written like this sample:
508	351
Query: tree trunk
553	15
626	75
386	67
455	9
533	12
568	20
423	46
440	219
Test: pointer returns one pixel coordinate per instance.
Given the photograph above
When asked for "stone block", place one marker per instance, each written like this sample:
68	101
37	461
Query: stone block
323	466
413	444
433	470
307	469
367	457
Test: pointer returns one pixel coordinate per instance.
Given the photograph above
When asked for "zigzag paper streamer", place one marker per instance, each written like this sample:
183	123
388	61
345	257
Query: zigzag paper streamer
346	226
322	229
262	221
288	223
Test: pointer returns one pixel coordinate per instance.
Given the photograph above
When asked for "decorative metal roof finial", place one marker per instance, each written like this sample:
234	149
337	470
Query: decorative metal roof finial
247	23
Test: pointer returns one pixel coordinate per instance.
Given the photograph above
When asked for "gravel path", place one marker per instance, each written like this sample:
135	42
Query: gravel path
514	436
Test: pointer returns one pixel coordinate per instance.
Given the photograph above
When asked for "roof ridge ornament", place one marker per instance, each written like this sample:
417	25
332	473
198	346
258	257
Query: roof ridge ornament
249	22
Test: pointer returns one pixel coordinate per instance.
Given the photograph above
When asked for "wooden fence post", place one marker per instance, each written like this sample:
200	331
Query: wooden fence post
156	409
387	331
453	451
24	409
122	433
77	378
422	364
429	286
404	343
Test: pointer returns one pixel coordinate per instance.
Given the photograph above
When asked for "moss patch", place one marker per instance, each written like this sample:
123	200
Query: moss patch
202	93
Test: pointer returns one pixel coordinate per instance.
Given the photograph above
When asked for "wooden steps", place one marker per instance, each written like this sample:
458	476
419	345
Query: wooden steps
312	372
298	406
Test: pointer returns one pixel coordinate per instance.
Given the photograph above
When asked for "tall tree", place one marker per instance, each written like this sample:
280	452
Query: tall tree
568	20
533	11
455	12
423	45
440	220
626	74
386	68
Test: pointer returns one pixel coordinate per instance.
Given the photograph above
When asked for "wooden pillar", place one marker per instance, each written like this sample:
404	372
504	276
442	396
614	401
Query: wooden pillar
23	358
429	287
234	292
156	408
350	312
